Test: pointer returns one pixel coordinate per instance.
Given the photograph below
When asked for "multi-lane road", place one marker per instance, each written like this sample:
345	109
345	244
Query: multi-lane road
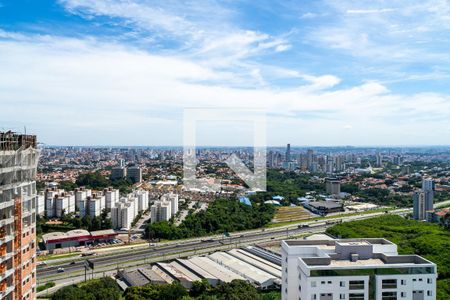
115	260
127	257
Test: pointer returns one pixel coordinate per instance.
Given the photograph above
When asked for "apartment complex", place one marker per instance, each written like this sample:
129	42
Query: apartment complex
18	163
165	208
354	269
127	208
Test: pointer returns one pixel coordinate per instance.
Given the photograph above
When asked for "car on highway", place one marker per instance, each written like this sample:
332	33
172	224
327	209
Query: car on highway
60	270
72	262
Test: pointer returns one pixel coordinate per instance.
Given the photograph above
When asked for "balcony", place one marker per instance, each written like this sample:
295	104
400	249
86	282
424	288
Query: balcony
6	274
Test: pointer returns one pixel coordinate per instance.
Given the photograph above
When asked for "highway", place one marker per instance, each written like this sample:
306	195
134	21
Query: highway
115	260
104	262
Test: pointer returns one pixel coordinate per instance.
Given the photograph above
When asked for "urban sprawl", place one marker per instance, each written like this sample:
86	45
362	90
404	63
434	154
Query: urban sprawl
333	223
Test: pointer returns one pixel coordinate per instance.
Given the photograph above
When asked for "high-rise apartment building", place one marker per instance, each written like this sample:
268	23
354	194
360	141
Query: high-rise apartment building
333	186
18	163
423	200
288	153
354	269
118	172
134	174
160	211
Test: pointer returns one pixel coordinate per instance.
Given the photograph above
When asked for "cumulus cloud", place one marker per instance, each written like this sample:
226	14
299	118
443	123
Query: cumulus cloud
74	84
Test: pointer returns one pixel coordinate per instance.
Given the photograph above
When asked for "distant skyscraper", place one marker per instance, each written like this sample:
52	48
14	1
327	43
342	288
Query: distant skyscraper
419	211
288	153
428	185
118	172
379	160
333	186
134	174
423	200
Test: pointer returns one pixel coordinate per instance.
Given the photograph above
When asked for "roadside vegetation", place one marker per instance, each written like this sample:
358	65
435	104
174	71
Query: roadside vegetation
45	286
107	289
97	289
431	241
221	216
235	290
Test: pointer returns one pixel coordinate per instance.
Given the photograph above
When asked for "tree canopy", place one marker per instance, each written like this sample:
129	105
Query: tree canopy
412	237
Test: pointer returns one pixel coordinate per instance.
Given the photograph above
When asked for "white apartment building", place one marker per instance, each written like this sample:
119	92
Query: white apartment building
81	195
64	204
112	196
123	214
142	199
96	205
58	201
161	211
173	199
127	208
40	204
354	269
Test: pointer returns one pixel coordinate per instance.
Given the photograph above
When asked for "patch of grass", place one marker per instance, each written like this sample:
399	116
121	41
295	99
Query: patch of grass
45	286
56	256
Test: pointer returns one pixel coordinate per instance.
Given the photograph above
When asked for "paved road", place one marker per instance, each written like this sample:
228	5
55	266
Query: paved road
110	261
152	252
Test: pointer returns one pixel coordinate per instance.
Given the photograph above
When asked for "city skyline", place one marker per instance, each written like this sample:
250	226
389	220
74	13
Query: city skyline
82	72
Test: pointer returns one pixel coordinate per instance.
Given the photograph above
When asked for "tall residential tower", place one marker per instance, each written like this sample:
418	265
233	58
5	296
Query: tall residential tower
18	164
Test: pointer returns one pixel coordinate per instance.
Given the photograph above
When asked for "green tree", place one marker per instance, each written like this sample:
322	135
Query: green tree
199	287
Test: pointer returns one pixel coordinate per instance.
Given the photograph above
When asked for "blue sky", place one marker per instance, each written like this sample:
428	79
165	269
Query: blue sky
122	72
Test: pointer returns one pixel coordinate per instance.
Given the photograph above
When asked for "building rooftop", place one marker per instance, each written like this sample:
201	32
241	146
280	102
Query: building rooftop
350	253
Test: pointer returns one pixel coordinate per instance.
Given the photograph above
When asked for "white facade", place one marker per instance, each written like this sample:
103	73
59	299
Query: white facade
127	208
112	197
127	213
40	204
83	206
58	201
96	206
357	269
160	211
64	204
173	199
81	194
142	199
123	214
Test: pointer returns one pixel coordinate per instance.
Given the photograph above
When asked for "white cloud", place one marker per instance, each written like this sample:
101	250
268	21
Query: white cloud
61	86
370	11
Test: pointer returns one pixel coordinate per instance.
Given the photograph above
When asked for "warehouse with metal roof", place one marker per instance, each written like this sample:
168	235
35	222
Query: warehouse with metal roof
255	275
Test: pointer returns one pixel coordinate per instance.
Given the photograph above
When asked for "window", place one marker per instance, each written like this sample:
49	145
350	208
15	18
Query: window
329	282
322	282
403	295
313	296
313	284
389	283
356	284
429	280
429	293
389	296
342	284
403	282
356	296
342	296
